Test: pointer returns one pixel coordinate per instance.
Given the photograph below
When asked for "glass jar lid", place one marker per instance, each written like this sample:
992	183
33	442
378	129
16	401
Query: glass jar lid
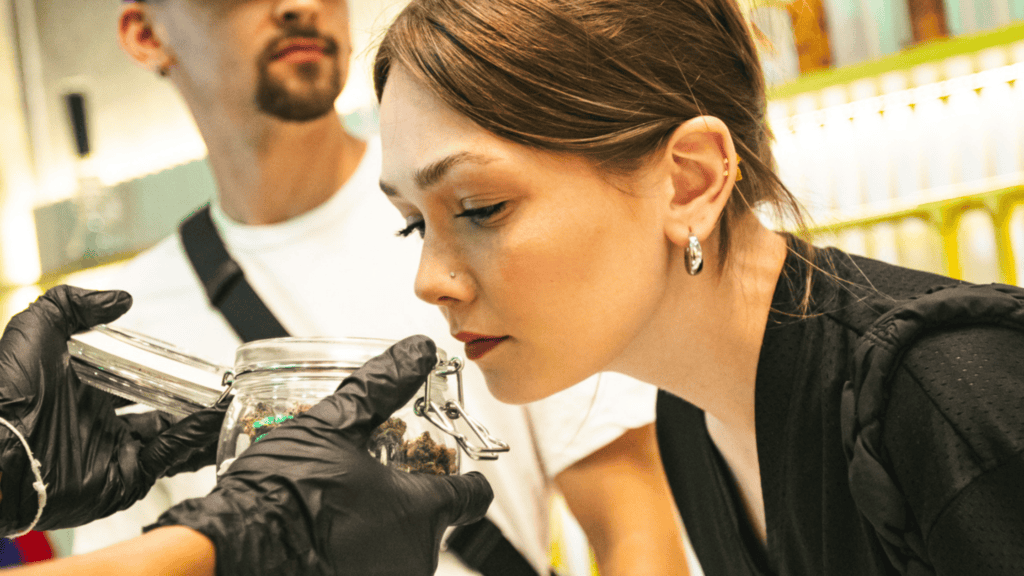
278	354
145	370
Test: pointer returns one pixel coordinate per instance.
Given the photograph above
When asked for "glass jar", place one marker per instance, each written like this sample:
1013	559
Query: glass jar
280	378
274	380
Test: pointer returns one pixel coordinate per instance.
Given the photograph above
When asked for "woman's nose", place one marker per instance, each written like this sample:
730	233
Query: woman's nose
440	281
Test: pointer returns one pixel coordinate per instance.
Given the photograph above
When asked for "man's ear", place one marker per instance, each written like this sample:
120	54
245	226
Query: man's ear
138	39
702	160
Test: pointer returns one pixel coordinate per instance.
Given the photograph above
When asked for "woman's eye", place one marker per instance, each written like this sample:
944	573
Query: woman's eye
416	226
483	214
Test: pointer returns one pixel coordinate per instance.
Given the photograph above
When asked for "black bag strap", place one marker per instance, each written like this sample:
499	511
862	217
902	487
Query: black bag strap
480	545
224	281
483	547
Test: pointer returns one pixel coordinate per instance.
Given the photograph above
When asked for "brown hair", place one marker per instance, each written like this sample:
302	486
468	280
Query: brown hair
608	80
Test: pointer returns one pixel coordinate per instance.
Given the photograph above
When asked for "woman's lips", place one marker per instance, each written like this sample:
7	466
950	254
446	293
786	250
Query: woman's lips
477	345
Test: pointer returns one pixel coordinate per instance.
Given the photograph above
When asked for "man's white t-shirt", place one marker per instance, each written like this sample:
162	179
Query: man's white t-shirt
339	270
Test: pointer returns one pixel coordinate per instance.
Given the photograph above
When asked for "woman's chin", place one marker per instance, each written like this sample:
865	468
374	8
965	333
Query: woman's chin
508	393
519	387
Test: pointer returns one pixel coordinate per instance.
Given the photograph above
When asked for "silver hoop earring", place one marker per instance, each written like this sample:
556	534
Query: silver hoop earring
694	256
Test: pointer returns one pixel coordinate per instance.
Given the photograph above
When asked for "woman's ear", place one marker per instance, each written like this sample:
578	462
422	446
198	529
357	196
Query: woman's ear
138	39
701	158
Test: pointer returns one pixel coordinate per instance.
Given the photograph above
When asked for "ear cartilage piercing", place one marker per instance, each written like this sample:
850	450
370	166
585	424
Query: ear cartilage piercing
739	171
452	274
694	256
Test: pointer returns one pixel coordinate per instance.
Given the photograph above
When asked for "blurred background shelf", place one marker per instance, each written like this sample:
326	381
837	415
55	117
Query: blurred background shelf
971	235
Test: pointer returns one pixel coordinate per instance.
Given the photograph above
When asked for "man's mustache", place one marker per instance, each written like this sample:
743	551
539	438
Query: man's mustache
330	45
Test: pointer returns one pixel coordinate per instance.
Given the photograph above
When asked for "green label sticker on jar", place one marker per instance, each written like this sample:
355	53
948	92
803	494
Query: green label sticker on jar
272	420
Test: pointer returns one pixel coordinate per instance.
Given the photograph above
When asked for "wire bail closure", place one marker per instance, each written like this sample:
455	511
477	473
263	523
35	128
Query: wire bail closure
444	417
228	382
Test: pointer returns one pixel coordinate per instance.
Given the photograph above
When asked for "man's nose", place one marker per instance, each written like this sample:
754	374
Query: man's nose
302	13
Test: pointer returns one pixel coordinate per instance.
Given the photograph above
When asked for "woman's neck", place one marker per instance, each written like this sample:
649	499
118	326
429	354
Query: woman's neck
703	344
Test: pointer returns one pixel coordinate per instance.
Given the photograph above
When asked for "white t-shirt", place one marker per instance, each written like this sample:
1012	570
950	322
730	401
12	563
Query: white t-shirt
339	270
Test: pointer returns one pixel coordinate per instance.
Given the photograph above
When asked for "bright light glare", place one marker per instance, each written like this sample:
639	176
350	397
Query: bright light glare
17	300
18	249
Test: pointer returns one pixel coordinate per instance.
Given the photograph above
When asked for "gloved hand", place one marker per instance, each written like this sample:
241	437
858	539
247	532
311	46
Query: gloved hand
308	499
94	463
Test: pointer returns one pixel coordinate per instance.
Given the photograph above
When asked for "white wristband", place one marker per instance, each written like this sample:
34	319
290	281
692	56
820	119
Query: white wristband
38	484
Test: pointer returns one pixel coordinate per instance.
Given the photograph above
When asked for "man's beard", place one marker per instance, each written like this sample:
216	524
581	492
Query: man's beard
319	88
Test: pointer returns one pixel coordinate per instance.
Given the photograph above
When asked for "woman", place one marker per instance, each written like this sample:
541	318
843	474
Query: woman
574	169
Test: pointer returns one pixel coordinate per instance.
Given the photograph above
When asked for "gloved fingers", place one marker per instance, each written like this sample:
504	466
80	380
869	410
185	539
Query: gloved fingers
146	426
187	445
373	392
462	499
34	343
72	309
97	307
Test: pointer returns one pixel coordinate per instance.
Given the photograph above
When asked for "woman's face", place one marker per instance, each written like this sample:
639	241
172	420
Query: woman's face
556	266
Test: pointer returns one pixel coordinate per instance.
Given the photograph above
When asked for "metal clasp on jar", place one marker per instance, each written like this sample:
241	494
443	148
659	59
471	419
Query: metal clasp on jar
445	417
228	383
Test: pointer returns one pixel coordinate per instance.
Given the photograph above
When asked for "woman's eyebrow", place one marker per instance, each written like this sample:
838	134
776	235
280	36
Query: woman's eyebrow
431	174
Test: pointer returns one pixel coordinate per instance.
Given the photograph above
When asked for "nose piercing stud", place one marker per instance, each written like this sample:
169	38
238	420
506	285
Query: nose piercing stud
452	274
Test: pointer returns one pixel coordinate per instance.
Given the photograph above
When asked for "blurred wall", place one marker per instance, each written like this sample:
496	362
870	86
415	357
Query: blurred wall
136	122
18	257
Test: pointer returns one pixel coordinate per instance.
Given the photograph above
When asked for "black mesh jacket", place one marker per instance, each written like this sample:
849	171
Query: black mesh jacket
890	430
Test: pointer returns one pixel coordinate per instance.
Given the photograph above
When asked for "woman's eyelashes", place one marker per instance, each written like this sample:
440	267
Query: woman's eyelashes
476	215
416	226
483	214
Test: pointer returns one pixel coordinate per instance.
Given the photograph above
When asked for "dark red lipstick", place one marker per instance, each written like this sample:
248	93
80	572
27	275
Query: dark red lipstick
478	344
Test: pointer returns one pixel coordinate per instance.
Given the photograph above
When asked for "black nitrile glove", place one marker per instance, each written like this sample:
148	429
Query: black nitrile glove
94	463
178	444
308	499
